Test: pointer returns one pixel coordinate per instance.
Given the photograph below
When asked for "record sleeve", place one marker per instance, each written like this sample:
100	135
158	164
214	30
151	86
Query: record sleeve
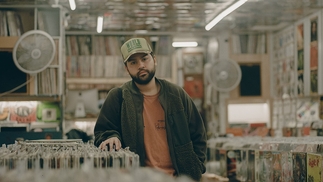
23	112
299	166
314	167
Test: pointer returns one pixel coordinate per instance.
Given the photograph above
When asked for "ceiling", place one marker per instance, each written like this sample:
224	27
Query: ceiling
180	16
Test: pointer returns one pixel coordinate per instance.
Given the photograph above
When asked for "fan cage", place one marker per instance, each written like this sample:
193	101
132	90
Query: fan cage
49	59
224	75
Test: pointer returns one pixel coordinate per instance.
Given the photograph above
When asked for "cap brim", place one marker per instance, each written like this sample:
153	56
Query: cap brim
135	52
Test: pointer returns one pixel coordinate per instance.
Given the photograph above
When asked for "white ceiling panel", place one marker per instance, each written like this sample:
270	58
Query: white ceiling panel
180	15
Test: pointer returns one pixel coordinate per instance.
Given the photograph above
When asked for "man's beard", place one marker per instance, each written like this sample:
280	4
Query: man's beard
144	80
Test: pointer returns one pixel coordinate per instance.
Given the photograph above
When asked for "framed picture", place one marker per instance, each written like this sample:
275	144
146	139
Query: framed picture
300	58
313	55
193	63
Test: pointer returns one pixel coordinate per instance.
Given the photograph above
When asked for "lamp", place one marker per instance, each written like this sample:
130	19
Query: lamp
99	25
184	44
72	4
224	13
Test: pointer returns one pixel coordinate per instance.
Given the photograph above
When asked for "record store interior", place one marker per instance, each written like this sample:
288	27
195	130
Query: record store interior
252	68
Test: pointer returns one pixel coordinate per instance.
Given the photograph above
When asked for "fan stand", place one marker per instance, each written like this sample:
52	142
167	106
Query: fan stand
79	110
222	74
222	109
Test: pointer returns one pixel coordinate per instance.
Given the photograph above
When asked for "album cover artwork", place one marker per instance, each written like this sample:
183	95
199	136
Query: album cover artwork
194	87
277	166
48	112
251	165
299	166
23	112
242	163
264	166
314	167
223	163
233	156
314	81
287	166
4	111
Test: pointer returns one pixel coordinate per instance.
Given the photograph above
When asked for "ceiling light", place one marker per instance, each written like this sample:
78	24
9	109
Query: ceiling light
99	25
72	4
149	22
184	44
224	13
141	31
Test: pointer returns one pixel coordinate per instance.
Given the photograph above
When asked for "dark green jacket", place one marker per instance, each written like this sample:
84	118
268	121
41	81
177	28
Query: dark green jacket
185	129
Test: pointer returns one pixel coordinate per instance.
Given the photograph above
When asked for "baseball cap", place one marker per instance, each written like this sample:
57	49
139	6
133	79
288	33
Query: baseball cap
133	46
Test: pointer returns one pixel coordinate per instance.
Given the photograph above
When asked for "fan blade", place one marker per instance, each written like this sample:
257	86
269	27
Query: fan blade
27	43
23	57
24	60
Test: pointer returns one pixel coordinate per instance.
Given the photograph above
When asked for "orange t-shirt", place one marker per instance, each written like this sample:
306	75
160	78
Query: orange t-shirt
155	139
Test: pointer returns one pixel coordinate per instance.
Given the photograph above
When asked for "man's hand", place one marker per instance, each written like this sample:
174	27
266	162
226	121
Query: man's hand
111	143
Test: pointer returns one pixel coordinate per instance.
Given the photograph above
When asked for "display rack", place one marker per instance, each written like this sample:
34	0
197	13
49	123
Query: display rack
284	67
17	20
296	81
266	159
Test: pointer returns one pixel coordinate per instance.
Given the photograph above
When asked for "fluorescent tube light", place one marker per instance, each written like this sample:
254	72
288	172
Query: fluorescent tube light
223	14
141	31
72	4
184	44
99	25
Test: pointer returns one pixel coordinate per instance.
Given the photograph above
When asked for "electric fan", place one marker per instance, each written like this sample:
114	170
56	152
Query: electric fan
34	51
224	75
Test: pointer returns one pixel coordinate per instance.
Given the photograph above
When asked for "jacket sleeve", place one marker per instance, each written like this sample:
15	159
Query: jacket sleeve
197	130
108	121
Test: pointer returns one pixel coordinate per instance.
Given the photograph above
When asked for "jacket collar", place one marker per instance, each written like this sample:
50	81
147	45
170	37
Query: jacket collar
132	87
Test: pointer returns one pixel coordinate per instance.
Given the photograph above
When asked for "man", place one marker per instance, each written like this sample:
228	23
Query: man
153	117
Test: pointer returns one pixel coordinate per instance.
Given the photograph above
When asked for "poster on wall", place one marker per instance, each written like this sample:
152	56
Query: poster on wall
194	87
300	59
193	63
313	55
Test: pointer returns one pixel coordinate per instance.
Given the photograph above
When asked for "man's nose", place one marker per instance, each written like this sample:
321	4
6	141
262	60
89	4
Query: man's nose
141	64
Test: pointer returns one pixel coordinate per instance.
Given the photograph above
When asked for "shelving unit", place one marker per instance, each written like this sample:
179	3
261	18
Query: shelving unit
249	59
96	59
21	19
296	80
251	53
7	43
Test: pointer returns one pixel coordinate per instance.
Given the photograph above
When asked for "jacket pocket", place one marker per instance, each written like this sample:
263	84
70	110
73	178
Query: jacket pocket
179	128
188	162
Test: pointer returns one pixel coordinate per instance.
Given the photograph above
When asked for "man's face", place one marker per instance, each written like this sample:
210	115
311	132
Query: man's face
141	67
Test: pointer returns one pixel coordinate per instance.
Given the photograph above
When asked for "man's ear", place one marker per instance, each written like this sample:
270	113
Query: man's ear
125	67
155	60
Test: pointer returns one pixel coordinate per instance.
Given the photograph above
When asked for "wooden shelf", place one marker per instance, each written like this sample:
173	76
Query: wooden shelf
8	43
110	81
249	58
17	97
96	80
86	119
